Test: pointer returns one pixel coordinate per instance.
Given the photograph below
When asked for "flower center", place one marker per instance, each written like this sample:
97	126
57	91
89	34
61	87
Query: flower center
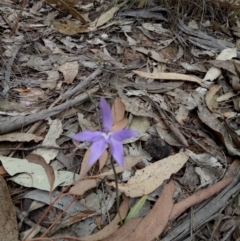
107	136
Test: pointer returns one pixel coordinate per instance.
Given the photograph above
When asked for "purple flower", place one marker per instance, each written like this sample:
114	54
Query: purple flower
100	139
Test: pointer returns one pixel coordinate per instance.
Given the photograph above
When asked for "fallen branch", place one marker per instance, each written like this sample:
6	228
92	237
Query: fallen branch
17	122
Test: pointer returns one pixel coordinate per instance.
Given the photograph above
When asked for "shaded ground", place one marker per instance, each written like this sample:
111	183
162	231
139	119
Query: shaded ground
169	70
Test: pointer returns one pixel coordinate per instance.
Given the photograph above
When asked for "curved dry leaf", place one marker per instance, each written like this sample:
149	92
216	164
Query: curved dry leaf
8	220
71	28
211	97
207	118
69	70
169	76
112	226
118	110
154	223
149	178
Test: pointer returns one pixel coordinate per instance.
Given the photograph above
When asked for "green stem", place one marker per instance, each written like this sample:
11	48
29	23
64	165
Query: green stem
117	193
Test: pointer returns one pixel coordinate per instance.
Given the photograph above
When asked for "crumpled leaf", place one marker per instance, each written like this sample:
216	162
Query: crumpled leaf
206	117
54	132
211	97
149	178
69	70
214	72
71	28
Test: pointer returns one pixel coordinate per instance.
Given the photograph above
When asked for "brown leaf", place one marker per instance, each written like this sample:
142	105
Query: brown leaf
118	110
8	220
211	97
120	125
81	186
102	160
34	158
154	223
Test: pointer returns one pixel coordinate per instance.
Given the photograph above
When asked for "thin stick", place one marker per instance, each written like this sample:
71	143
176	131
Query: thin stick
117	193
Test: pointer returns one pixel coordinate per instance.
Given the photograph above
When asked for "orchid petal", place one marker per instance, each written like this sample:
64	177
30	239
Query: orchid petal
124	134
96	150
87	136
107	119
116	148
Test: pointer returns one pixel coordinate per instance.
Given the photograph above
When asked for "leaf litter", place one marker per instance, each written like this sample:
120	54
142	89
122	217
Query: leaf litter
59	58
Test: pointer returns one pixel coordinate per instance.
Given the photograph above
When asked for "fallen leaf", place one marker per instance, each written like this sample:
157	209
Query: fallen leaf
118	110
214	72
53	134
211	97
51	81
169	76
71	28
20	137
34	175
153	224
135	209
8	220
81	186
33	158
151	54
149	178
69	70
206	117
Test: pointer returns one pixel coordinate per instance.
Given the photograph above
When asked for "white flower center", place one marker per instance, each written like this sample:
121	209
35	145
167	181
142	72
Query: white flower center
107	136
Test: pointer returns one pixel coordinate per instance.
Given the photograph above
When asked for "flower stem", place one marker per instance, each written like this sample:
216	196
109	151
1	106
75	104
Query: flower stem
117	193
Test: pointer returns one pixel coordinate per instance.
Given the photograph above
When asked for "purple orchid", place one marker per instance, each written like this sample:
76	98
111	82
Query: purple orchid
100	139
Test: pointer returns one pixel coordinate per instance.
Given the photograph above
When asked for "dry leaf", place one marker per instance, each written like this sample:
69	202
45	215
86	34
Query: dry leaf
118	110
169	76
33	158
81	186
211	97
206	117
153	224
69	70
53	134
71	28
8	220
149	178
20	137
